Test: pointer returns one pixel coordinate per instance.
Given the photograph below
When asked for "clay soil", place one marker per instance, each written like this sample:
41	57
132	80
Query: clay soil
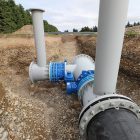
43	111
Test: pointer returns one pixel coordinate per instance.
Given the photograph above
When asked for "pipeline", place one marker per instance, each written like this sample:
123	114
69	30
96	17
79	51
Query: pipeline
106	115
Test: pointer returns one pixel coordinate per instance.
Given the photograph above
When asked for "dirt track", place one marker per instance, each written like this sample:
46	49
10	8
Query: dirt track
42	111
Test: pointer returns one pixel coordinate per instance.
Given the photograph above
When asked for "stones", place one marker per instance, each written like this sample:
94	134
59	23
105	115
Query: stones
1	130
64	117
1	111
6	113
14	118
3	134
16	103
32	93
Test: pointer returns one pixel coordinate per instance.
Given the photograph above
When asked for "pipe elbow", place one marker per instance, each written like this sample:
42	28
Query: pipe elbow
37	73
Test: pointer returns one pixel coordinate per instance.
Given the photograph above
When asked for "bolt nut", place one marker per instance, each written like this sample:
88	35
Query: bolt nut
112	104
131	106
101	107
82	127
85	119
92	113
121	104
138	111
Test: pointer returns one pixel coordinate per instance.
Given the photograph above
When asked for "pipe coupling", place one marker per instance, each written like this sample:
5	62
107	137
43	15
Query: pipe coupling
101	104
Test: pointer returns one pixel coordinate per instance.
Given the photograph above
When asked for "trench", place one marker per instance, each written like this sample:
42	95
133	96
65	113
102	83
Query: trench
46	109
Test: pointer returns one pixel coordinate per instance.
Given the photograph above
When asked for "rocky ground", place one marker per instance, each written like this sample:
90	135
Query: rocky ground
43	111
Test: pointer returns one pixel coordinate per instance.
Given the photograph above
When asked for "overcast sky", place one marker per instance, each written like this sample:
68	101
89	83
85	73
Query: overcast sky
69	14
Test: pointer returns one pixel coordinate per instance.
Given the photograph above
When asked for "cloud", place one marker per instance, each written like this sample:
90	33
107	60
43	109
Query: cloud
69	14
74	14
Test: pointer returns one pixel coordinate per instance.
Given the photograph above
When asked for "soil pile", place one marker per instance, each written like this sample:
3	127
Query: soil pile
27	29
130	60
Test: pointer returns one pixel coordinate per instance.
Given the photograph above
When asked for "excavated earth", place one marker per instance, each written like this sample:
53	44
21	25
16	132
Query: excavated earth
43	111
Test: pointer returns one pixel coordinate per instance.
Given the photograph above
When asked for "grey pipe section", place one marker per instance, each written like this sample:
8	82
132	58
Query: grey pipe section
38	28
88	95
37	73
112	20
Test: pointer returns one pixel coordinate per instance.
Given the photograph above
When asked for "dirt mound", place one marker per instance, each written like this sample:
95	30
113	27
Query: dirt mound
27	29
87	45
130	60
20	59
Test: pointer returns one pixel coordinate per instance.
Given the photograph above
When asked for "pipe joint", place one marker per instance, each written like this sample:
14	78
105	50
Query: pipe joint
83	79
56	71
61	71
37	73
102	104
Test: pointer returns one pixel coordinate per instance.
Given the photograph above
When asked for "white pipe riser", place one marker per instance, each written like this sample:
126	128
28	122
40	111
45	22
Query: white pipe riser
112	20
38	28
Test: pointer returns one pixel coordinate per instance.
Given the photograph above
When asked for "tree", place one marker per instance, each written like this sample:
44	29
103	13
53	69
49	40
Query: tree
129	25
66	31
13	17
49	28
138	23
95	29
86	29
75	30
135	24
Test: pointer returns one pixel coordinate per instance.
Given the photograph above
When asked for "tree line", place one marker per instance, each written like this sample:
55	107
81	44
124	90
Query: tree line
131	25
95	28
85	29
13	17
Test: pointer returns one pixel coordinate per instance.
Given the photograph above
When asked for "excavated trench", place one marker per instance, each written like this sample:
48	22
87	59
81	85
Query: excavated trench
43	110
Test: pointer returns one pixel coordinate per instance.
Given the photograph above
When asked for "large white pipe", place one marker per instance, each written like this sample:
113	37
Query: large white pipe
112	20
38	27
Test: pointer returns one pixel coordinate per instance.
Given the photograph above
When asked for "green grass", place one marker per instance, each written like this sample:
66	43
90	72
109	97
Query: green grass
132	34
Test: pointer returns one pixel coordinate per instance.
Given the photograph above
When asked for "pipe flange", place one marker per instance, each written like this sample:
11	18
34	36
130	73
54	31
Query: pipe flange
83	55
103	104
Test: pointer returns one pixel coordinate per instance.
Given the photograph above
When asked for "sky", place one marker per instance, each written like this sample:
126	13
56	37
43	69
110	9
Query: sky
69	14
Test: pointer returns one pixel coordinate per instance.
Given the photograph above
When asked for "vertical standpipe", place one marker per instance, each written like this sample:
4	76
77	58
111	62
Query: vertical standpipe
38	28
112	20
